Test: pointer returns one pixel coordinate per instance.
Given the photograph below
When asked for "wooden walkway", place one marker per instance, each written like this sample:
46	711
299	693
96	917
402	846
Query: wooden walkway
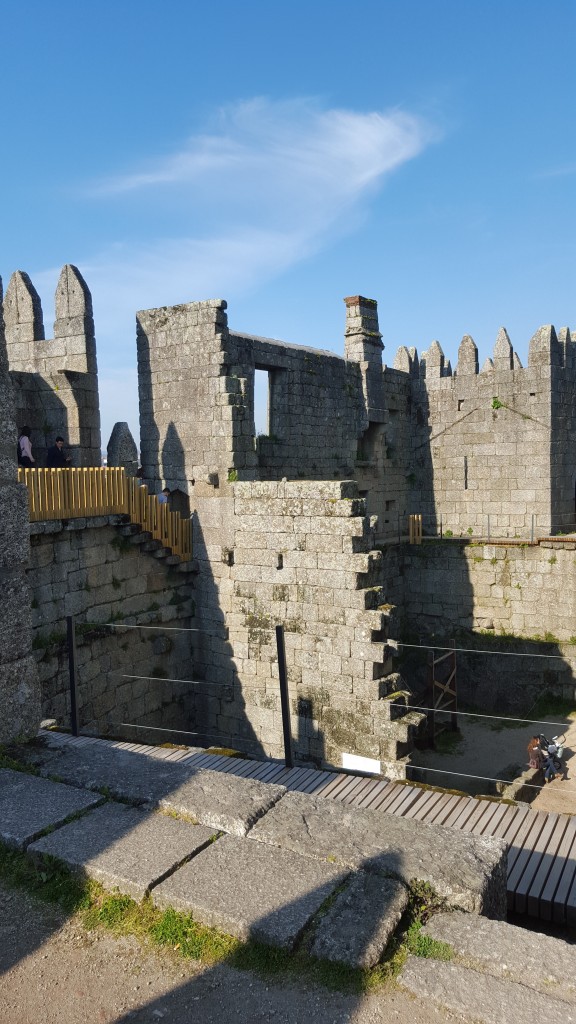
542	851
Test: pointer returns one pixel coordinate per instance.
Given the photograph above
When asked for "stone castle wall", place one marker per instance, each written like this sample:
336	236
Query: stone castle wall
507	595
298	554
350	434
56	381
90	569
495	443
19	689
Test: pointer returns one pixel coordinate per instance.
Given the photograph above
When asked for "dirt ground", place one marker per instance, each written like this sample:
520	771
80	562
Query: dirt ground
54	972
488	749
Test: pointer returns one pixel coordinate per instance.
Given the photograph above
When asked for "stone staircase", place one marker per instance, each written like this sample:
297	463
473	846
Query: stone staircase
143	539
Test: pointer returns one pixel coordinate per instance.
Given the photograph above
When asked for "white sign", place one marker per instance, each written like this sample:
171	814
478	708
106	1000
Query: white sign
354	763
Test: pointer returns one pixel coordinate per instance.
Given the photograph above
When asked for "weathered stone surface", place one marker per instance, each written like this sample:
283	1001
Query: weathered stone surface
19	689
223	801
478	997
20	693
467	871
124	847
358	926
28	805
250	890
121	773
121	448
215	799
530	958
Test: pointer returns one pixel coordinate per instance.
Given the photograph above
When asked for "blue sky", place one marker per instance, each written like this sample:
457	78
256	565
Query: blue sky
285	155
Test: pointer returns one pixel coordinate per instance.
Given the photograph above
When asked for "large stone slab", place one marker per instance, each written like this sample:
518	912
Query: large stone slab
505	951
216	799
28	805
358	926
478	997
467	871
124	774
251	890
223	801
124	847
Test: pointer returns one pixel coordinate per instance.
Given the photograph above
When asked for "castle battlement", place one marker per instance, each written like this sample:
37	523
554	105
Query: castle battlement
546	349
55	380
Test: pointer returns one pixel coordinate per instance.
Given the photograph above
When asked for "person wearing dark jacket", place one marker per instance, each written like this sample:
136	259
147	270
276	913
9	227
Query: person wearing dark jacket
56	459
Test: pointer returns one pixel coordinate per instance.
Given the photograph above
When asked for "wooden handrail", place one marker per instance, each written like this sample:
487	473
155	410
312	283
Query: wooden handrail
71	493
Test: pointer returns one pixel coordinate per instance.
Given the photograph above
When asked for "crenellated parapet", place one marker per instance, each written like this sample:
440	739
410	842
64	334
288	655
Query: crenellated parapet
547	349
56	380
498	441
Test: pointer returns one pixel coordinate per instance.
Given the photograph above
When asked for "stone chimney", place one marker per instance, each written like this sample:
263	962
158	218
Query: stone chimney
363	345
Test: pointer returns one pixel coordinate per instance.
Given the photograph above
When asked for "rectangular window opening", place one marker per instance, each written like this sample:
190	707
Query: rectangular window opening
262	402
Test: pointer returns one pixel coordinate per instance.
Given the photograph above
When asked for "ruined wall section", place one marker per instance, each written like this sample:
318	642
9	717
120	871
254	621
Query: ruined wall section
55	381
383	467
298	554
19	689
482	441
195	429
315	409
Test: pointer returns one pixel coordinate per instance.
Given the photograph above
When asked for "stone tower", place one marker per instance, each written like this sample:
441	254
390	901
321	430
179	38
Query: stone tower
55	381
19	689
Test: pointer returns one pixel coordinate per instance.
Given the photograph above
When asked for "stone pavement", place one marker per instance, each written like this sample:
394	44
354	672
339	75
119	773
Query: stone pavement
259	862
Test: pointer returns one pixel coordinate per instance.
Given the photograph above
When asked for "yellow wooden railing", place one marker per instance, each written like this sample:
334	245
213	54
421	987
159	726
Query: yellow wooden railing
415	529
96	491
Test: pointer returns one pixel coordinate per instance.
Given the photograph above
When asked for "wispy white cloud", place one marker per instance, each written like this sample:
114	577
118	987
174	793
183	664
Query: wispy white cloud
267	186
289	143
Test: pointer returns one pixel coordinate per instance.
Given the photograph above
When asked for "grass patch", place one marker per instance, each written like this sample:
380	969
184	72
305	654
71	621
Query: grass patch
551	705
226	752
191	940
51	881
425	946
448	741
14	763
182	936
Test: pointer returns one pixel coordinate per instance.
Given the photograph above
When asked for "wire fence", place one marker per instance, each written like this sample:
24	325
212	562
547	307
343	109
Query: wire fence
189	698
178	715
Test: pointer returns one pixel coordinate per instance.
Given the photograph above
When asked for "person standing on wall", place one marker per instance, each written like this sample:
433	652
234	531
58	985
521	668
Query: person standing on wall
25	457
56	457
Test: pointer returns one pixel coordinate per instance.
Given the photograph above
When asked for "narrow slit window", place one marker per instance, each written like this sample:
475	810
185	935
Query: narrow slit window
262	402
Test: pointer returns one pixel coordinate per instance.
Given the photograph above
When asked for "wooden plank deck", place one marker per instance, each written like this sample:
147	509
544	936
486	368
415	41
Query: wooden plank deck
542	846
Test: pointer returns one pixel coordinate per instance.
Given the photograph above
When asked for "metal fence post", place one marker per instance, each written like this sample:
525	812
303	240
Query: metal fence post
72	663
284	701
